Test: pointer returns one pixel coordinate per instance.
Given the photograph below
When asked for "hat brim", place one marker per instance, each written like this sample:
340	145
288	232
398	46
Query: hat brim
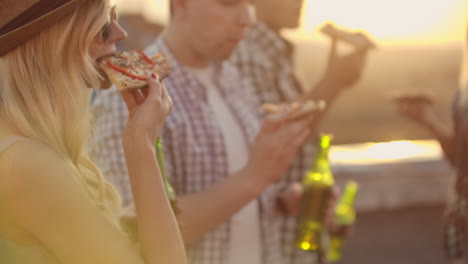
18	36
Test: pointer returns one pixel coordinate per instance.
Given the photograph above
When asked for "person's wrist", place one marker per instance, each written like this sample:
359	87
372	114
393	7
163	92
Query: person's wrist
331	85
137	137
253	182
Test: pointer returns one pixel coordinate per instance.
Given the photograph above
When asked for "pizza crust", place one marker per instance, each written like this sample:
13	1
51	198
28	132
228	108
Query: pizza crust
296	110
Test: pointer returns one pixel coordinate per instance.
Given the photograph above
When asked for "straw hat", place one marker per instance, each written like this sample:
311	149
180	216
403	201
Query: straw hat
21	20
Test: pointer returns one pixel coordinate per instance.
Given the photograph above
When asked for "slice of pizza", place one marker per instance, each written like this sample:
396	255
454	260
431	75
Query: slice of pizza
130	69
356	39
295	110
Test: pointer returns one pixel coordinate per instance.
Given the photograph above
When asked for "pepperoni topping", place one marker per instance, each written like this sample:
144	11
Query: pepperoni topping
148	60
124	71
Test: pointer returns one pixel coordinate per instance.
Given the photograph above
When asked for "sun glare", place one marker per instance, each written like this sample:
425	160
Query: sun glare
391	22
387	152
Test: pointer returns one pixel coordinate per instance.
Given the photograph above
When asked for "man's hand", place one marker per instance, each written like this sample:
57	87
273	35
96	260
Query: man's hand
290	199
343	231
343	70
275	147
417	107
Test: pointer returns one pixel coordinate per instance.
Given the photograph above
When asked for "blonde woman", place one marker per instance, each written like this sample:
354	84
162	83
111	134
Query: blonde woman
55	206
454	143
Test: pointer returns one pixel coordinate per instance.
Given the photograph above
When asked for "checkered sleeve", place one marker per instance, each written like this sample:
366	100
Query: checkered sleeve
454	229
110	117
258	70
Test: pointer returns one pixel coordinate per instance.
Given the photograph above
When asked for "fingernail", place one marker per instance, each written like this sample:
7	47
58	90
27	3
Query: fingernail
154	76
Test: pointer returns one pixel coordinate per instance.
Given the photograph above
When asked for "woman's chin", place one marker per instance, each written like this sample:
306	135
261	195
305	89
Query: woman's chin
105	84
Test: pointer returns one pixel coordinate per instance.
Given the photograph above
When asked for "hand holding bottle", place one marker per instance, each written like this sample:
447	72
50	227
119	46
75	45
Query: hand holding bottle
290	199
318	189
343	221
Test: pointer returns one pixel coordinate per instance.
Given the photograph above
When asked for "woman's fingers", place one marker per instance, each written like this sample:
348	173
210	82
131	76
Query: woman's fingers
145	91
138	96
128	99
166	98
155	87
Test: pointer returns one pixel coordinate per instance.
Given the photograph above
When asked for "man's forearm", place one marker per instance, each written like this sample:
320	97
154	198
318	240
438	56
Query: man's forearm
443	134
204	211
323	90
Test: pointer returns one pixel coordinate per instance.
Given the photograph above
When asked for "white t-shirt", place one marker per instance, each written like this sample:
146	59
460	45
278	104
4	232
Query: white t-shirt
245	225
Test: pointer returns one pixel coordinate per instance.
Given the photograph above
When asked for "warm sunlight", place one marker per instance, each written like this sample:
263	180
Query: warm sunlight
396	21
389	22
372	153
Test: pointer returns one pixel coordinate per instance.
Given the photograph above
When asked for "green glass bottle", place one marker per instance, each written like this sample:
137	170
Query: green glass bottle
317	184
345	216
171	195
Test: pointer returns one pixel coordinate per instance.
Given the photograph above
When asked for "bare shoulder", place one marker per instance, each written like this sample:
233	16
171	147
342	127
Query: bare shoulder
28	166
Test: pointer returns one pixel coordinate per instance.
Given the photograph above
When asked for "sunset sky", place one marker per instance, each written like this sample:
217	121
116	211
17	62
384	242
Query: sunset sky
389	22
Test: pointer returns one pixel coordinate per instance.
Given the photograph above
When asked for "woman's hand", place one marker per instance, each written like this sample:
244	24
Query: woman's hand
148	108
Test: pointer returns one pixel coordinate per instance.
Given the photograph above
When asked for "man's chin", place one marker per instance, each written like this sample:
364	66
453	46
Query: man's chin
227	53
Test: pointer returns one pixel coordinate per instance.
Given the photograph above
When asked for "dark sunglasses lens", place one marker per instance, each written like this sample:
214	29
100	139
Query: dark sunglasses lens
105	33
106	30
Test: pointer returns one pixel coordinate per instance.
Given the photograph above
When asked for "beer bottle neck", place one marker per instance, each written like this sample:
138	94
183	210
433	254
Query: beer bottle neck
160	157
349	195
321	158
321	161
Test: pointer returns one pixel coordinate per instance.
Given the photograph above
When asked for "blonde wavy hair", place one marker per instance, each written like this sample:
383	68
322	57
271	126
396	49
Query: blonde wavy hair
43	95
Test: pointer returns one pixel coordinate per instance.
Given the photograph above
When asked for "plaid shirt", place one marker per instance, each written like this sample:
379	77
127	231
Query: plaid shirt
265	58
455	221
194	150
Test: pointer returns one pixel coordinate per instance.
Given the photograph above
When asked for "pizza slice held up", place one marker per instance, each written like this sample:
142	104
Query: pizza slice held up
129	70
357	39
295	110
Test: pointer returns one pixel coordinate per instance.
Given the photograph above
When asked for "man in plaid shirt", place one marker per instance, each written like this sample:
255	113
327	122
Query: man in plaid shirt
265	58
222	161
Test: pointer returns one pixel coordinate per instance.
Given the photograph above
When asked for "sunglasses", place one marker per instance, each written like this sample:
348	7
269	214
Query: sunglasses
107	28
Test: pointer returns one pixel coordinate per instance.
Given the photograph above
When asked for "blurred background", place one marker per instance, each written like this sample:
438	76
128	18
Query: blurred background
403	178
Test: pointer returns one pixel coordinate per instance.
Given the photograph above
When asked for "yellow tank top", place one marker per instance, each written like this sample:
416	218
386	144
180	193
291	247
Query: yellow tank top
11	253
